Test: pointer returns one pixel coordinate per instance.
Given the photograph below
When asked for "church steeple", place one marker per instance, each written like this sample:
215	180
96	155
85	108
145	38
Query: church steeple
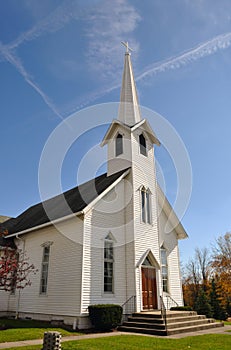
129	138
129	112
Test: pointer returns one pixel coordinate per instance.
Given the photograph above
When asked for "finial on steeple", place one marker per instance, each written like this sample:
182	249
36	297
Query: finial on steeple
128	49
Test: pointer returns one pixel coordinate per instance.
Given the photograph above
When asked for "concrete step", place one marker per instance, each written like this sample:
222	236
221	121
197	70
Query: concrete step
144	325
192	323
194	328
143	330
147	315
146	320
177	322
169	314
185	319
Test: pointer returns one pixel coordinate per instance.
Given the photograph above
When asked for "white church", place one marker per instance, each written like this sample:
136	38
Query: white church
117	245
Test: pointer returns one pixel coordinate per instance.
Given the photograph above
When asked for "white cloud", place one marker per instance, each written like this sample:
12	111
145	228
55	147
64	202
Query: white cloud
111	23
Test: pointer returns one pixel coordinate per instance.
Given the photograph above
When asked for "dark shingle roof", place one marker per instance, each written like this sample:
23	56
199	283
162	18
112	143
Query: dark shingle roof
76	200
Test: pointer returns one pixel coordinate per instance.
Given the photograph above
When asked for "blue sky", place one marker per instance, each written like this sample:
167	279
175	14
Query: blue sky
57	57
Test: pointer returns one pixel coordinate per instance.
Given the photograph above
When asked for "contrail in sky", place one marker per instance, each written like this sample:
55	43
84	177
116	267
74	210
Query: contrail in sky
204	49
56	20
207	48
15	61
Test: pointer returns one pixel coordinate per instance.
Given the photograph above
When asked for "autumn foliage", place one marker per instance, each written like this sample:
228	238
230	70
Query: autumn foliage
207	279
15	269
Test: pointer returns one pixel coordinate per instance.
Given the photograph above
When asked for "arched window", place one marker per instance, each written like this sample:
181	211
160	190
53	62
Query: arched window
108	265
164	268
44	269
119	145
143	147
146	205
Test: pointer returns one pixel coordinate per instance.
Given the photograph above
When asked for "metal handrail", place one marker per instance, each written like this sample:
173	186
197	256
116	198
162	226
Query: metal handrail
168	297
129	306
163	313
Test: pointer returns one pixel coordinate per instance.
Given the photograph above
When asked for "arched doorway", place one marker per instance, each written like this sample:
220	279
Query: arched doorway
149	288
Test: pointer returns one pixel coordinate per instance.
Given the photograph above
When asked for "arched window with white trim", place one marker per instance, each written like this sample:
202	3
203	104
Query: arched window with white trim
164	268
108	264
119	145
44	268
143	146
146	211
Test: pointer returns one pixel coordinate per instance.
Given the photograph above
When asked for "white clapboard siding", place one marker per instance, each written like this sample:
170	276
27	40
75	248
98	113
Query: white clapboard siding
129	238
64	276
146	235
169	240
4	297
97	225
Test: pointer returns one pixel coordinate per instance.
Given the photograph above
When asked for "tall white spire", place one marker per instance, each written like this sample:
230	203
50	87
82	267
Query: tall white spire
129	112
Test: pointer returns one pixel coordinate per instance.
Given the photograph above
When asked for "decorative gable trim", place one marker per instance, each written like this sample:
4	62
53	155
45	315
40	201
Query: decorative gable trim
112	130
146	128
151	257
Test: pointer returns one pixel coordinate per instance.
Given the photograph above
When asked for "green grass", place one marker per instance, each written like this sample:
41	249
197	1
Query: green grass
27	330
132	342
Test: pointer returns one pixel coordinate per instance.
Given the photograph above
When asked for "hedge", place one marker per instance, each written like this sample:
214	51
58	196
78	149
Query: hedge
181	308
105	316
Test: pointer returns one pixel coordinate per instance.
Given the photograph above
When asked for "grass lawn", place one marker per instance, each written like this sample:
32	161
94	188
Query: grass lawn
27	330
130	342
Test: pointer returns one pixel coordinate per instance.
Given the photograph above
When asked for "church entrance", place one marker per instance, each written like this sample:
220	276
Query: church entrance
149	290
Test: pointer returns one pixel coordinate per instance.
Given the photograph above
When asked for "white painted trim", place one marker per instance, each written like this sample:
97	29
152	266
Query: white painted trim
46	224
115	123
108	189
82	212
150	133
144	256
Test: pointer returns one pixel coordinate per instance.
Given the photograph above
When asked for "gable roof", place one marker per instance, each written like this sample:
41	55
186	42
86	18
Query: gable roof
143	124
170	213
69	202
4	218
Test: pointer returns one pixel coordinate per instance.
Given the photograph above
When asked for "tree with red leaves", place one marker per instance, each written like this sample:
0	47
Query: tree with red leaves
15	269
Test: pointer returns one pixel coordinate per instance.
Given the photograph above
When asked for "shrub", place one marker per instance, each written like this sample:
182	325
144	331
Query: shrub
105	316
181	308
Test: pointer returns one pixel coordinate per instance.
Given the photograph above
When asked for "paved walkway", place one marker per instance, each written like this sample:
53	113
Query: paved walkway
220	330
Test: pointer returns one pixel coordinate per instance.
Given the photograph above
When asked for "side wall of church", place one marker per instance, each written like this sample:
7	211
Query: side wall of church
4	297
64	272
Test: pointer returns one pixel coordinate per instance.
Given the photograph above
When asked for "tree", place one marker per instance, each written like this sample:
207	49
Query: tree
15	269
197	275
202	305
222	263
218	311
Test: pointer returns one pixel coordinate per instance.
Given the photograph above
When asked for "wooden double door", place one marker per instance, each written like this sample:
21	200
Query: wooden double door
149	290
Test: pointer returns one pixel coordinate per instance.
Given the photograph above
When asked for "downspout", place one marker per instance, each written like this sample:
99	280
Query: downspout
19	292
